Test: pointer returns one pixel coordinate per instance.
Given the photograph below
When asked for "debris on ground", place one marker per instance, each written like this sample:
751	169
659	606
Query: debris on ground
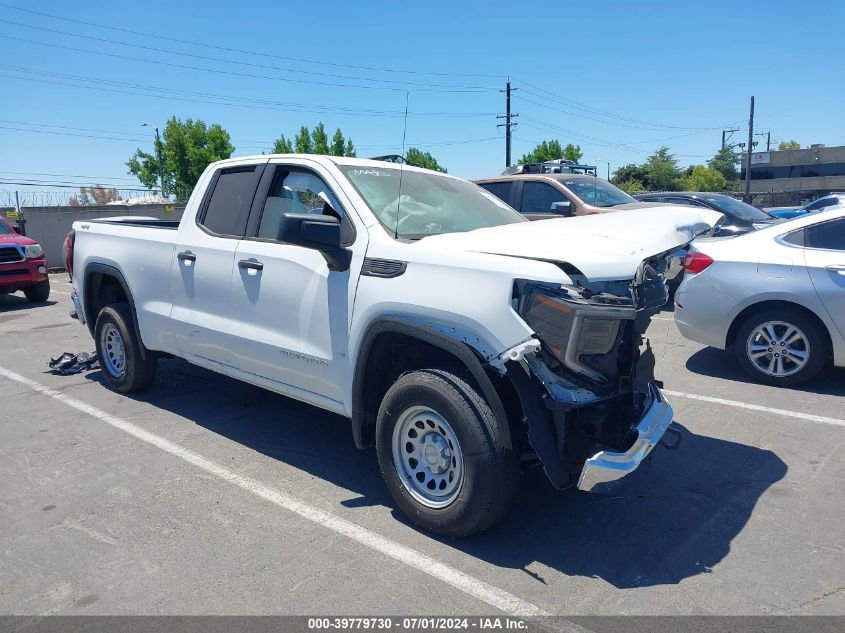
69	363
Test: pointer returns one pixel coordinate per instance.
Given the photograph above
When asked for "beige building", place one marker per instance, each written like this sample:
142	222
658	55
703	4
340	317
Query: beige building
797	175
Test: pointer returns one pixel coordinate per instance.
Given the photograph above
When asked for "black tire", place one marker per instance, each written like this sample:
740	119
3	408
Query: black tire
138	371
490	471
817	350
36	293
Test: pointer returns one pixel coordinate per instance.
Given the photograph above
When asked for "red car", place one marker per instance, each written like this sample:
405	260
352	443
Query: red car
22	265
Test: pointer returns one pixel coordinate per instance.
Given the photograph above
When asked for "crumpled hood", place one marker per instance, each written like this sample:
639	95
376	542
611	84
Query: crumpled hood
609	246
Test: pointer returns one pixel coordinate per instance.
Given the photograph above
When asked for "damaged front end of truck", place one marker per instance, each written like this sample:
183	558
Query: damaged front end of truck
591	405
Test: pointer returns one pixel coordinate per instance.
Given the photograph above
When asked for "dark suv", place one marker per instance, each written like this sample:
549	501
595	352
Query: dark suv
739	216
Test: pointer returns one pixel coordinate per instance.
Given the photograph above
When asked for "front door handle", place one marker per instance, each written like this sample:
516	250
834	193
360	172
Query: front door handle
835	269
249	264
186	256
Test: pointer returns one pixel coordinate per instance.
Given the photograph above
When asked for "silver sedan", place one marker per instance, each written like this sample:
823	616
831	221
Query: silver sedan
777	296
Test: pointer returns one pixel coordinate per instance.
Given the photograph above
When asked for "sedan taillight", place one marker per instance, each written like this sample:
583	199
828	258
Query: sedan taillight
695	262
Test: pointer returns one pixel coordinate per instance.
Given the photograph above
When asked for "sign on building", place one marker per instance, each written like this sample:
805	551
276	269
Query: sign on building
760	158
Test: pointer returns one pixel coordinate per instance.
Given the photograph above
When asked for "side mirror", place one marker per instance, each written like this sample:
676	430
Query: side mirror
318	232
563	208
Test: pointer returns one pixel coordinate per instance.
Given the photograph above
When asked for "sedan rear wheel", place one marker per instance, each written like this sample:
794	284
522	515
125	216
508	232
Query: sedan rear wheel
781	348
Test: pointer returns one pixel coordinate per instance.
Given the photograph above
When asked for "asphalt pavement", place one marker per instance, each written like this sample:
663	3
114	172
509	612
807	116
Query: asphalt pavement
204	495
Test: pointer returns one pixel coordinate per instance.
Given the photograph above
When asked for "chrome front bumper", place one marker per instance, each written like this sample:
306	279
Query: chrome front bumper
80	314
608	466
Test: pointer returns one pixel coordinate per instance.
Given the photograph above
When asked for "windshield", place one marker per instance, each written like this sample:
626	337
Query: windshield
738	209
597	192
5	229
429	204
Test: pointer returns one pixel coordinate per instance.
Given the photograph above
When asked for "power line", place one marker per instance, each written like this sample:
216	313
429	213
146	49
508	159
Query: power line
243	51
66	184
231	61
36	173
241	102
551	96
105	138
616	123
65	127
238	74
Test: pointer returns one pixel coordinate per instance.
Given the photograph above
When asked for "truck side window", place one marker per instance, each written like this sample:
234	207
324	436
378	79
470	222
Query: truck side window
502	190
300	191
538	197
227	209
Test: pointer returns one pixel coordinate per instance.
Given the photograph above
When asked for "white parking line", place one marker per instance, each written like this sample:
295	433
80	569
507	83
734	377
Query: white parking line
662	318
756	407
493	596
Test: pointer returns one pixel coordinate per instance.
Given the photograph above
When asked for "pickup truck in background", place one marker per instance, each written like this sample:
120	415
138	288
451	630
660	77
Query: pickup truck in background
22	265
463	341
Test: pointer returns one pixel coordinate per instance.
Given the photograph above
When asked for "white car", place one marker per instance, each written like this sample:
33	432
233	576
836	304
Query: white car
459	338
777	296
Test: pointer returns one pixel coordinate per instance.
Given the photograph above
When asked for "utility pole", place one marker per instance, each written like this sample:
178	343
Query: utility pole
747	190
507	124
727	138
768	135
21	221
158	156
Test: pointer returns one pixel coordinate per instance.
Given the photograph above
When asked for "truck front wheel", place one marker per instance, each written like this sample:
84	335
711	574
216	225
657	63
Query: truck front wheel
124	367
37	293
443	464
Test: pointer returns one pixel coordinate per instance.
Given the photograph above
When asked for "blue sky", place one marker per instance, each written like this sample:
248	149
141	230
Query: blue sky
617	78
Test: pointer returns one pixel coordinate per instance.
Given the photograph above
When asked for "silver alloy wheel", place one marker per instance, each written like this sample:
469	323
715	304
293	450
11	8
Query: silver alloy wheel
778	348
427	456
114	353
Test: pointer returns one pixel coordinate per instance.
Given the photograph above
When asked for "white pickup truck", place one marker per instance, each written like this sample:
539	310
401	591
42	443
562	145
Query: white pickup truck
463	341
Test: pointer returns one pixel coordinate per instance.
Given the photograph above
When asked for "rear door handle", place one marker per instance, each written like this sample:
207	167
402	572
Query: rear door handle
249	264
835	269
186	256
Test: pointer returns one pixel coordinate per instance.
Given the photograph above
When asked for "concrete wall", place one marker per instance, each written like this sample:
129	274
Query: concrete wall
50	225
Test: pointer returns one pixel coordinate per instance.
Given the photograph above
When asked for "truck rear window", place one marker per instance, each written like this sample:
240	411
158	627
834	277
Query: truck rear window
228	207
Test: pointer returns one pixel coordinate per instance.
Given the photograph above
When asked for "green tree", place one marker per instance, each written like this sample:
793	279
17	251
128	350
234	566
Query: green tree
336	148
630	173
573	153
349	152
787	145
419	158
186	149
544	151
703	178
302	142
321	139
282	145
631	185
662	172
725	162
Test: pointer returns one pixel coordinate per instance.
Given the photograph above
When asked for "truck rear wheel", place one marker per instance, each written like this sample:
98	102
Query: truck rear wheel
124	367
443	465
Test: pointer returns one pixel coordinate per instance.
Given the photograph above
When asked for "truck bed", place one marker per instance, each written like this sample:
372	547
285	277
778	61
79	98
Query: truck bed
145	222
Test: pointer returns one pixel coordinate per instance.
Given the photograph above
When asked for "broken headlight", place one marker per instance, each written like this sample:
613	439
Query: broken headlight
571	327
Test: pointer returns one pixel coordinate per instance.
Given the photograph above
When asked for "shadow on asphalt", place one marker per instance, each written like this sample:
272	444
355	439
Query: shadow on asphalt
719	363
14	302
672	519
